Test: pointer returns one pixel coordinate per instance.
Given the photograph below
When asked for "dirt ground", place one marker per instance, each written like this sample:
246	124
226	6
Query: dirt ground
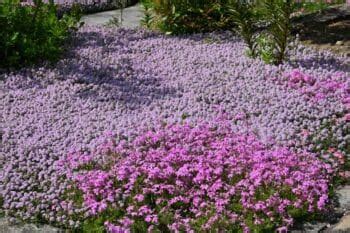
329	29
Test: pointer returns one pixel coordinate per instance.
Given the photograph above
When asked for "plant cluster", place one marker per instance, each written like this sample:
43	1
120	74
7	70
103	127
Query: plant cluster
122	80
31	33
148	18
182	16
203	178
270	44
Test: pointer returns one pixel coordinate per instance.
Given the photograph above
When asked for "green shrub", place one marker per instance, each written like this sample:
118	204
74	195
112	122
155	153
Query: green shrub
30	34
189	16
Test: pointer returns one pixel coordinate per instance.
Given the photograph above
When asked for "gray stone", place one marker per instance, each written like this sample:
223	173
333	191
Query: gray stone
314	227
343	226
339	42
131	17
6	227
344	197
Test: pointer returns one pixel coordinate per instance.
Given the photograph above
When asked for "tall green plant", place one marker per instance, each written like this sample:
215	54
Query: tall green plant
270	44
278	15
147	19
190	16
244	15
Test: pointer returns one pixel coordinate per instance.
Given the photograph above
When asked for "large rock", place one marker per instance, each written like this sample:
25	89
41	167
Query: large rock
344	197
343	226
313	227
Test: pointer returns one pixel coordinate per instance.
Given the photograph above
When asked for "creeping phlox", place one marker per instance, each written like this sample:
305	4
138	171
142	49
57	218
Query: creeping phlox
198	178
122	80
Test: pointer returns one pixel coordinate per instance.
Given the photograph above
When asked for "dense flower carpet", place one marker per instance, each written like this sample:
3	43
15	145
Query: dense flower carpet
178	133
85	6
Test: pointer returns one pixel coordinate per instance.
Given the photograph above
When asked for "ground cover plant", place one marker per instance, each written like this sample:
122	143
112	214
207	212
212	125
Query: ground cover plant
86	6
203	178
129	82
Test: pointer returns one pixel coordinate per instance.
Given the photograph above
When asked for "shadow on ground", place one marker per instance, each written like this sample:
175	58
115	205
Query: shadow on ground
120	80
329	29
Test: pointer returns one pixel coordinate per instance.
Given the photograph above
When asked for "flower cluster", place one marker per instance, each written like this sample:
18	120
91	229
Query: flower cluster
86	6
335	86
317	89
122	80
203	178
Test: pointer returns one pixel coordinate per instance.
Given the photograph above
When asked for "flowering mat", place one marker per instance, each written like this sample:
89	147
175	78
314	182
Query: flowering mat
135	131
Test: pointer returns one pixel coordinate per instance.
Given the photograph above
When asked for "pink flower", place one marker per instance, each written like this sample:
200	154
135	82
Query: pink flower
347	117
322	202
345	174
192	172
282	230
139	198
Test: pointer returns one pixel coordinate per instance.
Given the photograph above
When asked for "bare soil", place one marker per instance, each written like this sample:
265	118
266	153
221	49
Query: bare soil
329	29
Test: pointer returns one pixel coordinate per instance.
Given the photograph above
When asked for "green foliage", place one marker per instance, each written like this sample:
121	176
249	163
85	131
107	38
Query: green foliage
244	16
32	33
278	14
1	204
188	16
97	224
265	48
269	45
328	144
147	19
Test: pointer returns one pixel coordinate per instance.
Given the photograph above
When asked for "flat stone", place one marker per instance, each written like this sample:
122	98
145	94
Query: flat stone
311	227
6	227
343	225
339	42
131	17
344	197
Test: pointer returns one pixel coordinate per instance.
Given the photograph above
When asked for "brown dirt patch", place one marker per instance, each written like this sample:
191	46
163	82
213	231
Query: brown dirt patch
329	29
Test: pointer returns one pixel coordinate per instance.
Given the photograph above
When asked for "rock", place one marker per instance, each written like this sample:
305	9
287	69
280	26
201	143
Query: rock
131	17
344	197
339	42
6	227
342	226
309	227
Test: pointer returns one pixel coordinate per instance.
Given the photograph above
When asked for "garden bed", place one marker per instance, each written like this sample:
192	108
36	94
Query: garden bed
116	83
88	6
